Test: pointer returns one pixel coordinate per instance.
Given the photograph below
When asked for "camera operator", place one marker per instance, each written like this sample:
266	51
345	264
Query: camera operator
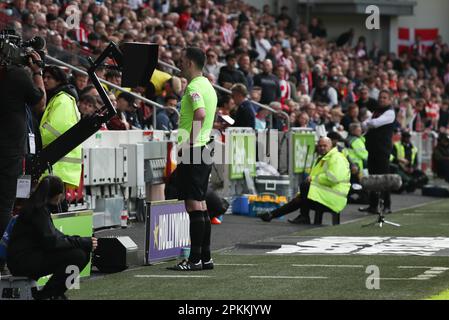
379	144
17	90
37	248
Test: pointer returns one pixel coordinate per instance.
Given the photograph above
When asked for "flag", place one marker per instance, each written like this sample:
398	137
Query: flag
407	38
404	41
428	37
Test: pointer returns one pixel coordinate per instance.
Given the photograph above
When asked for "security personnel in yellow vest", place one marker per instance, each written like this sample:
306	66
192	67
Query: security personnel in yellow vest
158	79
357	156
60	115
326	189
404	163
356	149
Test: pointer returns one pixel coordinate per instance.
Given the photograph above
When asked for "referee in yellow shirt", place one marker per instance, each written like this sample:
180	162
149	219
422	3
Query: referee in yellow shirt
198	106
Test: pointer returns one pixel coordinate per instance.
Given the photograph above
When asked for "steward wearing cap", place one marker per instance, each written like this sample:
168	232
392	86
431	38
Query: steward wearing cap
404	162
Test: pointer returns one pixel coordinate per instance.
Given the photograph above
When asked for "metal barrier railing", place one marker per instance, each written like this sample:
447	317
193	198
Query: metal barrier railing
220	88
157	105
109	84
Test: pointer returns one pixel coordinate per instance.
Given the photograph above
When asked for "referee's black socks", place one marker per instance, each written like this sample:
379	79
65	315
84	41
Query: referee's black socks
205	246
197	231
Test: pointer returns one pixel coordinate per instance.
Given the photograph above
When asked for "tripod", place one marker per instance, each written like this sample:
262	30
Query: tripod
381	218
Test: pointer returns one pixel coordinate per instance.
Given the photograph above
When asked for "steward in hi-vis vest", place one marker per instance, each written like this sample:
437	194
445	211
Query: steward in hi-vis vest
60	115
326	189
405	163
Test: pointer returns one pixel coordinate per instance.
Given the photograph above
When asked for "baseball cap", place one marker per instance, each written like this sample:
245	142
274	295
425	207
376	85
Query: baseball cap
334	136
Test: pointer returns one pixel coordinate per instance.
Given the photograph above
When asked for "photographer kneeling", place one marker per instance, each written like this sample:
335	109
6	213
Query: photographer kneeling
37	248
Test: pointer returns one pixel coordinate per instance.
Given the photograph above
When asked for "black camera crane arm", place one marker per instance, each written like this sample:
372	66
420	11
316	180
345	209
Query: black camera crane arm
86	127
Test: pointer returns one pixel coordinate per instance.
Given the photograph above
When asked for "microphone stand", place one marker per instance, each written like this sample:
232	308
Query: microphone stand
381	218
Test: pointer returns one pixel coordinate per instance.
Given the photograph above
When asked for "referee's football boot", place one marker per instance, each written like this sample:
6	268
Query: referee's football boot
209	265
186	265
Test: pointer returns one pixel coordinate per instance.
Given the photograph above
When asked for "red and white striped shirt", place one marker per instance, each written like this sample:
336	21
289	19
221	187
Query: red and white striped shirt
227	34
285	90
81	35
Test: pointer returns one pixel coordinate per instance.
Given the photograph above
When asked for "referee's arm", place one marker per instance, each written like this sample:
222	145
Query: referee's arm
198	119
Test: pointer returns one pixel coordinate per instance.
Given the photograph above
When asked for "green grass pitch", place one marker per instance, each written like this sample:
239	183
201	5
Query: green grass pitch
273	277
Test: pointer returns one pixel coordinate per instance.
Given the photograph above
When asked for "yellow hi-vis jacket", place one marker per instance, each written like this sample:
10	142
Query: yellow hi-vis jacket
357	152
400	152
60	115
158	79
330	181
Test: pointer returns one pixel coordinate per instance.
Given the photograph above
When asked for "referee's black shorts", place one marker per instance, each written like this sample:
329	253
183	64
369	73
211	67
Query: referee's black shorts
193	177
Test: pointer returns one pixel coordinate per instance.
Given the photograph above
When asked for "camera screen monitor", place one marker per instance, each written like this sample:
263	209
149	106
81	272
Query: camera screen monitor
139	62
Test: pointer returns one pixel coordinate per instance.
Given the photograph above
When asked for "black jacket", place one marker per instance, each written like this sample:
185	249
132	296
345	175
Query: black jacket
16	90
246	115
271	89
321	94
379	140
231	76
34	231
370	104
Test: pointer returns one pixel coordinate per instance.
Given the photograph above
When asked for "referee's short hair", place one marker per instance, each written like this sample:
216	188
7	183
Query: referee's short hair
196	55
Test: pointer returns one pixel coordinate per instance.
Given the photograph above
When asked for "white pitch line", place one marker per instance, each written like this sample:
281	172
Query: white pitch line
133	269
236	264
430	211
434	271
417	267
327	265
397	279
168	276
440	268
285	277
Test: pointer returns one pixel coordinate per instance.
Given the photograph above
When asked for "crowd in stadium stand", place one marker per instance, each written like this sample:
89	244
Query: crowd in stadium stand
289	66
